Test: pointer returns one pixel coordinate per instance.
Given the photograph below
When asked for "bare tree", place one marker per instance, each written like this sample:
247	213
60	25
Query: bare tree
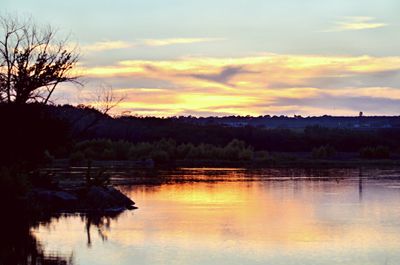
32	61
105	99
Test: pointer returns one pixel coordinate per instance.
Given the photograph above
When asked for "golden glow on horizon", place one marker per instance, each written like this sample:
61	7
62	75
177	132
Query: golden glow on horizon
254	85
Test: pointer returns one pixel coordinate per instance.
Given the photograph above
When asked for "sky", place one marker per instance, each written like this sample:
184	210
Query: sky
231	57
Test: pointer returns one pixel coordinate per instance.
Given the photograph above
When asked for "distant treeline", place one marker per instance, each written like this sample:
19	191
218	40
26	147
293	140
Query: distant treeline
137	130
29	131
87	124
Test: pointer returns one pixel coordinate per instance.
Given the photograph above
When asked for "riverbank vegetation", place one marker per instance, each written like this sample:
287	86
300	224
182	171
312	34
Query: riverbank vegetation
239	153
160	151
39	134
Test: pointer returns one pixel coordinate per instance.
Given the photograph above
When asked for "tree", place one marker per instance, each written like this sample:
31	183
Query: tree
105	99
33	62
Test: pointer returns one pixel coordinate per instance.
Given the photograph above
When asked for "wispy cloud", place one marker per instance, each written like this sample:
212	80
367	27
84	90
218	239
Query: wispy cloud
117	45
175	41
357	23
106	45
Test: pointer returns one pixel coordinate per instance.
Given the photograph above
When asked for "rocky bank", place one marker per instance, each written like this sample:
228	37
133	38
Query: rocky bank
81	200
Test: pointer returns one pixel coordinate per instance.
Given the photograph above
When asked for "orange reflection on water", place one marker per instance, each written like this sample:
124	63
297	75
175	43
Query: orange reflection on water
228	211
251	222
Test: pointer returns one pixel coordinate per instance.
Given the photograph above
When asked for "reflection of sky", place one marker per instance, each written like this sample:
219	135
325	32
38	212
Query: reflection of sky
276	222
233	56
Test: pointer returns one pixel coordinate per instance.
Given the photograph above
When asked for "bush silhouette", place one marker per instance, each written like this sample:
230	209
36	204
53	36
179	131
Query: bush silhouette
378	152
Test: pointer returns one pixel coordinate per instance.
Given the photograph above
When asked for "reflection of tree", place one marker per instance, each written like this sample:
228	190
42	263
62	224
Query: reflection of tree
19	247
360	184
101	221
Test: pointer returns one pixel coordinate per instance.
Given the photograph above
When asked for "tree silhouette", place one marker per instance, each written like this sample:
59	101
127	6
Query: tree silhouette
32	61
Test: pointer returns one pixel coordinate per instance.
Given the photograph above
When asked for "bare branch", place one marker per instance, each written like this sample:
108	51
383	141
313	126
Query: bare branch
105	99
33	62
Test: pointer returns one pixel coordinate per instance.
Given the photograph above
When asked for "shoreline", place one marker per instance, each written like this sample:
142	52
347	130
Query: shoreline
301	163
107	199
307	163
276	160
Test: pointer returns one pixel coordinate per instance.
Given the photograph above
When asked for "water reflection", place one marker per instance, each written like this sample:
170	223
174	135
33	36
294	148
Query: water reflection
360	184
102	223
20	247
241	217
19	244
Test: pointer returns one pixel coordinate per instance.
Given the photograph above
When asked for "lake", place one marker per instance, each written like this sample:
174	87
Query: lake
238	216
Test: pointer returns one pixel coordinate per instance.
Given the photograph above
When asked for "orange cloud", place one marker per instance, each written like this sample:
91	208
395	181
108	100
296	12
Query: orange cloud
250	85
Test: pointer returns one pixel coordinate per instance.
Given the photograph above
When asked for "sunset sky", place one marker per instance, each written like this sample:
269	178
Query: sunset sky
223	57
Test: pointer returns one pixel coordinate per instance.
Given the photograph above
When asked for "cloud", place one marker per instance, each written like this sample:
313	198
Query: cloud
324	101
117	45
357	23
260	84
175	41
106	45
224	75
390	78
263	71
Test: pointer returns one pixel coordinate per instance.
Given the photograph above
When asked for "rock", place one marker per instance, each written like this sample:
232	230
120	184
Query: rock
105	198
65	196
122	198
98	198
132	207
92	199
54	199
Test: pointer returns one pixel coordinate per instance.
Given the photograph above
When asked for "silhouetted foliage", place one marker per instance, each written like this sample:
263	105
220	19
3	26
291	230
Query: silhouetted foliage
378	152
161	151
13	184
27	132
20	247
32	61
32	129
185	133
323	152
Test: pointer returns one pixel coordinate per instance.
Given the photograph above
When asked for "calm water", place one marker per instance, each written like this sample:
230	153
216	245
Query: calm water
241	217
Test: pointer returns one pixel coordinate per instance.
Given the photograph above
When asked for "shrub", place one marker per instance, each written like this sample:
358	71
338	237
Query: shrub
159	156
323	152
42	180
246	154
237	150
121	150
76	158
48	158
168	146
140	151
378	152
262	156
27	131
183	150
161	151
13	183
108	154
